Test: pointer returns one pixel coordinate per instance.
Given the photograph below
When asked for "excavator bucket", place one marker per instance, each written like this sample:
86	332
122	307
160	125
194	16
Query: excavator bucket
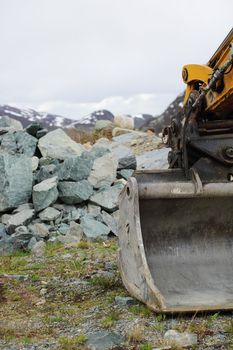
176	241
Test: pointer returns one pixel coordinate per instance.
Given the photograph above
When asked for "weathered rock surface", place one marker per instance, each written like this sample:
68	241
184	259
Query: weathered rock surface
77	168
49	214
38	249
15	180
19	219
74	192
107	198
18	142
58	145
74	234
45	193
103	172
93	228
104	340
40	230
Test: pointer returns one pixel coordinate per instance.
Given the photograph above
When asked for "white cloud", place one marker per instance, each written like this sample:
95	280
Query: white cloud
88	50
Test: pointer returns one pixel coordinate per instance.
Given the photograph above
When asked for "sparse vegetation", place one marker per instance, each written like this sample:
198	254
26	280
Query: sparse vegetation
78	294
137	334
72	343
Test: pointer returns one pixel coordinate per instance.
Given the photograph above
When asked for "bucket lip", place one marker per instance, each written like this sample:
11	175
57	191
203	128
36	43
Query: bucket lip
131	192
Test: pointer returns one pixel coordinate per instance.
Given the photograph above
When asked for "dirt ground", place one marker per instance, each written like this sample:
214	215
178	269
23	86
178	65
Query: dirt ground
57	301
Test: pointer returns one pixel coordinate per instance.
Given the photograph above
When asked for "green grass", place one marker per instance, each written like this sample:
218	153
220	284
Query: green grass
72	343
146	346
110	320
140	310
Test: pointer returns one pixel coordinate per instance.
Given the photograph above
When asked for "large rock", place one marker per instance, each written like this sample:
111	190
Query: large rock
6	121
74	192
102	124
39	230
126	159
103	172
156	159
49	214
15	181
45	193
21	218
110	221
48	170
18	142
107	198
124	122
58	145
93	228
77	168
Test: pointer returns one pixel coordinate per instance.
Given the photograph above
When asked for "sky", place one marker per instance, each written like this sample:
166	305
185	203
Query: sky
71	57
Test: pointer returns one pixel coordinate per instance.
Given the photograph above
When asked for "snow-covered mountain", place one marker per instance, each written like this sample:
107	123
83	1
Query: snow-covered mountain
29	116
53	121
158	122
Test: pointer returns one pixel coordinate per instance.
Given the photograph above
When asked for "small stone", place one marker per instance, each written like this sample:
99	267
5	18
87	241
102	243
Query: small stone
181	339
45	193
21	278
41	133
124	301
31	243
43	291
104	340
40	230
49	214
74	234
38	250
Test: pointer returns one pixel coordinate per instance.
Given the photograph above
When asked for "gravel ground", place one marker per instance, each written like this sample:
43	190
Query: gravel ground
61	300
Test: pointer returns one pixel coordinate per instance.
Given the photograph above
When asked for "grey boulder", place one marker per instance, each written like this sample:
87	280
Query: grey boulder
93	228
15	180
74	192
103	172
58	145
49	214
107	198
18	142
21	218
45	193
104	340
76	168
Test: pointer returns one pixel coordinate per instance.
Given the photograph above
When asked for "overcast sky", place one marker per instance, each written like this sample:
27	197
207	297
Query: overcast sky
74	56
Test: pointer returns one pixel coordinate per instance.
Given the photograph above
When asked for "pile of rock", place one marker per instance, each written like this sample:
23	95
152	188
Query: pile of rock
53	189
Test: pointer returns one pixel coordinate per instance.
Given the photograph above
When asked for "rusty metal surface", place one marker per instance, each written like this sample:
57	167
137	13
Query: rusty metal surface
176	254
